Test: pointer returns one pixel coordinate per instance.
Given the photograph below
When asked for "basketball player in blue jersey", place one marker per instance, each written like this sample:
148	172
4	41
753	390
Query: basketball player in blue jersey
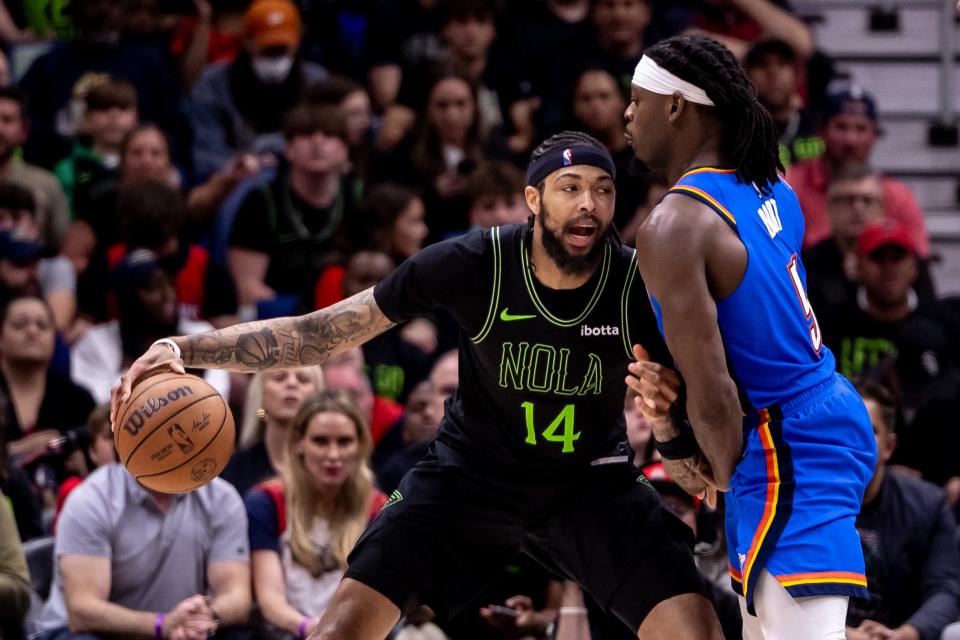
770	421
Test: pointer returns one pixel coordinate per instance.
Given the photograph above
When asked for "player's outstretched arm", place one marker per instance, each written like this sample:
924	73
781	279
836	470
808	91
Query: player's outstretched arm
282	343
278	343
672	248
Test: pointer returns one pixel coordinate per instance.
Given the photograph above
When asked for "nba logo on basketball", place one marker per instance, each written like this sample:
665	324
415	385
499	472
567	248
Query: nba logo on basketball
567	157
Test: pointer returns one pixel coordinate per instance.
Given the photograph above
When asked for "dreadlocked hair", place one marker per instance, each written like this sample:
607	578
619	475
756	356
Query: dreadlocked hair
749	137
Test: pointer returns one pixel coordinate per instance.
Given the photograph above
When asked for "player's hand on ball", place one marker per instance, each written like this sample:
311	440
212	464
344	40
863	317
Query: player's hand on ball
157	358
656	386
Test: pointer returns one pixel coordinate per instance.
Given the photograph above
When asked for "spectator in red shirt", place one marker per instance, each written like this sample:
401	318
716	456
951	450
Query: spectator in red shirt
849	132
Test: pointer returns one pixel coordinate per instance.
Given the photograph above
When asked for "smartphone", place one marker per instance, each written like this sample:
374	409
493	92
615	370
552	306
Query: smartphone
504	611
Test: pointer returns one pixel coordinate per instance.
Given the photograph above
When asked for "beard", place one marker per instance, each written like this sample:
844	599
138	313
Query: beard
571	264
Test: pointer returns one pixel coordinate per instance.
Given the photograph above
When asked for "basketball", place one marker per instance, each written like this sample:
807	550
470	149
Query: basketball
175	433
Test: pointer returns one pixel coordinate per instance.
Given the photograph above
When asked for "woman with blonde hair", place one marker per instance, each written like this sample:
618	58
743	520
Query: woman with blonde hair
273	399
304	524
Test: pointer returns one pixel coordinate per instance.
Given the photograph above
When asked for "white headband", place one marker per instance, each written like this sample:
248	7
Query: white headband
652	77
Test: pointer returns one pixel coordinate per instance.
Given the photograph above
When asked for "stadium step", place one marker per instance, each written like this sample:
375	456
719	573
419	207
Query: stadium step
946	271
934	193
901	87
903	149
918	35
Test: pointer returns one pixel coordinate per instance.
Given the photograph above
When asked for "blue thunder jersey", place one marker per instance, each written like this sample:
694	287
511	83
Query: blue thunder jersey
773	344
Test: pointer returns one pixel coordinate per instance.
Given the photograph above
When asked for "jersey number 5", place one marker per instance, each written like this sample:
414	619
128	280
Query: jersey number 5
564	418
816	338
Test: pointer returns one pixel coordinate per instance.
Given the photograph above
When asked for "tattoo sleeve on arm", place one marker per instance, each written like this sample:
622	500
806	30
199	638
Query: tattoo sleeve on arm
282	343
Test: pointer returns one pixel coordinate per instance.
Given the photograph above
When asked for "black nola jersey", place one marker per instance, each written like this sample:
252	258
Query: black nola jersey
541	370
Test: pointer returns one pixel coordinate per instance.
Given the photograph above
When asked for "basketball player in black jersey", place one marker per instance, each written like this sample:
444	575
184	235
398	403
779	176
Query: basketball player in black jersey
531	452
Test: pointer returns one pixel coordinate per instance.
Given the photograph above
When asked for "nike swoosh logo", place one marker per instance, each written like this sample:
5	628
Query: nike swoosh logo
506	317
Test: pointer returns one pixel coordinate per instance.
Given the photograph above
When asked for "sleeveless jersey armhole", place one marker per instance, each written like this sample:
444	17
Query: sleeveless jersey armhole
625	306
705	198
495	290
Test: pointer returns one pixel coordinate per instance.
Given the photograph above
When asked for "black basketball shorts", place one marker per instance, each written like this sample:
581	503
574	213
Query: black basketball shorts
449	531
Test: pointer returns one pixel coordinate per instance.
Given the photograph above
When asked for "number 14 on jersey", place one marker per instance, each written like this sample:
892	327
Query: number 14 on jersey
564	419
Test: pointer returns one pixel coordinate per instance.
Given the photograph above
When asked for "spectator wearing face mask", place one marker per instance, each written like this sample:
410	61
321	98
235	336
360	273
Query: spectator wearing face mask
238	106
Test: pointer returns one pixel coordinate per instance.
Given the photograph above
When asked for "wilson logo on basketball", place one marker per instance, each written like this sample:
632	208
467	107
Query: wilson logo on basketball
137	419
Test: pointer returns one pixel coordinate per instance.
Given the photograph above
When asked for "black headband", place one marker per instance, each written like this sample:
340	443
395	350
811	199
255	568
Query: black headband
565	157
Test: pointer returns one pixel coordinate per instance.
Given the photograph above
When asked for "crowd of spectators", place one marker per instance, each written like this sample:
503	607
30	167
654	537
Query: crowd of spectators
171	166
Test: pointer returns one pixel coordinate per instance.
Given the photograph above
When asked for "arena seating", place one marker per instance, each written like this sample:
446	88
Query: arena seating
902	68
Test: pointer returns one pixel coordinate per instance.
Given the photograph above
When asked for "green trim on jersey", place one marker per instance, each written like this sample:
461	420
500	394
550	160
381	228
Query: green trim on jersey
625	306
495	293
532	290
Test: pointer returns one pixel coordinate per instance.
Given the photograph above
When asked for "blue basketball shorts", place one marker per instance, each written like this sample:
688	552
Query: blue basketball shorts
796	493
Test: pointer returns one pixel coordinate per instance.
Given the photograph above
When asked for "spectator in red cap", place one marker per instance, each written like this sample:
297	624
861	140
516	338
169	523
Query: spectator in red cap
849	132
229	113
